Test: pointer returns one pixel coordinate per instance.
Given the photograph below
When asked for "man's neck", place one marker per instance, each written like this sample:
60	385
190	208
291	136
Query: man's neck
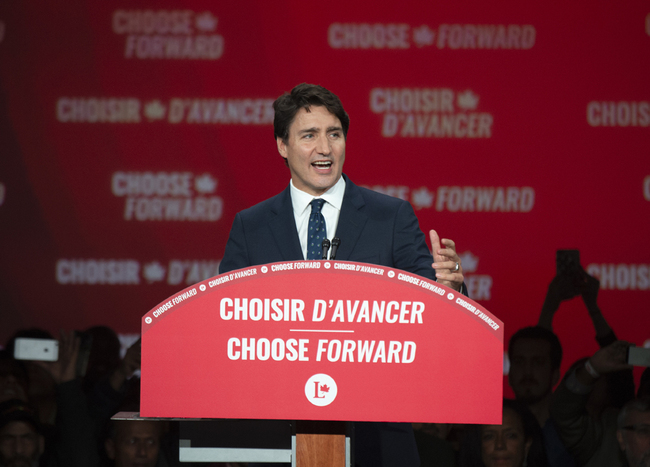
541	409
339	185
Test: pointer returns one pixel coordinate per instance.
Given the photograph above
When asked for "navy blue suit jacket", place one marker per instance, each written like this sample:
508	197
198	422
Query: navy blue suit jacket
373	228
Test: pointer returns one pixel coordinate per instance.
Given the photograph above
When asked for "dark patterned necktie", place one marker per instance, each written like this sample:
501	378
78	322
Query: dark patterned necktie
317	231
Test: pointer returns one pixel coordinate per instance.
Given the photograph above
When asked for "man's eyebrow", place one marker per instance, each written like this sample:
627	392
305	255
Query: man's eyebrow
309	130
315	129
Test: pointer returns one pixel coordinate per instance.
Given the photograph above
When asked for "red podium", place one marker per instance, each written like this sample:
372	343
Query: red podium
320	340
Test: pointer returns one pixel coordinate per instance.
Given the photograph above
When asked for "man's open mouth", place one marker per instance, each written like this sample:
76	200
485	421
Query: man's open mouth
322	164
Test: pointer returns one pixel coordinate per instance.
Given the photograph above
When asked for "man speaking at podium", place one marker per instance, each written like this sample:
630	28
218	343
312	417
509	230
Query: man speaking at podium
310	128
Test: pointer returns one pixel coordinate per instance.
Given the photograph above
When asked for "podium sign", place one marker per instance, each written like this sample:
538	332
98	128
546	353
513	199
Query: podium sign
322	340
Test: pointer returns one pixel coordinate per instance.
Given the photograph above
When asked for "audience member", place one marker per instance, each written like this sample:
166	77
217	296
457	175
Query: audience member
76	416
591	440
644	384
41	388
13	378
134	443
116	388
634	432
517	442
616	388
535	355
104	355
565	287
21	442
432	444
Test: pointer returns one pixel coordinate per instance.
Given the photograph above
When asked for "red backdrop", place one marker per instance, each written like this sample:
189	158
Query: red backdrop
132	132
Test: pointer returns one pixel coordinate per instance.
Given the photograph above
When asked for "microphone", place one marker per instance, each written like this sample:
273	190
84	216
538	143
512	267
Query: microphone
326	247
336	241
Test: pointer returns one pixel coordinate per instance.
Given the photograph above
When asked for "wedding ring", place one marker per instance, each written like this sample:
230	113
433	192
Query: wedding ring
457	267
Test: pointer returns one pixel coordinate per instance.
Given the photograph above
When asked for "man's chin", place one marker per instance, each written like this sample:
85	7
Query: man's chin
645	460
529	398
20	462
322	185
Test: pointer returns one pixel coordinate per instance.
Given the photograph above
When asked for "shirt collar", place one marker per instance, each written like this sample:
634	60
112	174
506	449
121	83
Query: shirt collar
334	196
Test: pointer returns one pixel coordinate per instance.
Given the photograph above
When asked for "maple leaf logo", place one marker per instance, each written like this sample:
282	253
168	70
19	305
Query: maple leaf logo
423	36
469	261
422	198
205	183
206	22
154	272
155	110
467	100
324	388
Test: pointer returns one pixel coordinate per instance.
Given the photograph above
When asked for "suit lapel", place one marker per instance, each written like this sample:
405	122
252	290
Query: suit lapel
283	227
351	220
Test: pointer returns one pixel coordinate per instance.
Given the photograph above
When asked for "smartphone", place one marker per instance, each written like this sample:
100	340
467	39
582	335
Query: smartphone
28	348
567	262
638	356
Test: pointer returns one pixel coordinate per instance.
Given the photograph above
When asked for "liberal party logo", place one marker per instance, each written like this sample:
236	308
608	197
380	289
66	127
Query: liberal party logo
321	390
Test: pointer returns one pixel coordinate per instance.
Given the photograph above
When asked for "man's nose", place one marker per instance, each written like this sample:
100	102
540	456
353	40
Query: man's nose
8	378
527	368
141	450
19	446
323	146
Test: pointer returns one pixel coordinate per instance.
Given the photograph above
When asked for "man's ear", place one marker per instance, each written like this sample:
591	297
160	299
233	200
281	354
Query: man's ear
282	148
41	444
621	441
109	445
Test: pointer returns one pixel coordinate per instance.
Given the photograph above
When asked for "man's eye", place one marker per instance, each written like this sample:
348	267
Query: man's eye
335	135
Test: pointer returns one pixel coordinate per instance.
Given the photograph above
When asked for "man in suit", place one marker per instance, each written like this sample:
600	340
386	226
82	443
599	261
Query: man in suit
310	128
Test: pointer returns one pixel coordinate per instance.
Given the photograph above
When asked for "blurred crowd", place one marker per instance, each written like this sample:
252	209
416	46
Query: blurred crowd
59	413
591	416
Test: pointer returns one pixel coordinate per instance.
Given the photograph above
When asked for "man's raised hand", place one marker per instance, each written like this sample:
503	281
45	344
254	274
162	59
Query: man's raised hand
447	265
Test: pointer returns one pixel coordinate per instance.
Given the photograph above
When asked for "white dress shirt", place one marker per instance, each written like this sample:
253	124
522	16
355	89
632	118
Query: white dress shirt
331	210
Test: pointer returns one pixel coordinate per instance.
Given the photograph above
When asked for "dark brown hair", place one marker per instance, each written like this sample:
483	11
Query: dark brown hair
304	96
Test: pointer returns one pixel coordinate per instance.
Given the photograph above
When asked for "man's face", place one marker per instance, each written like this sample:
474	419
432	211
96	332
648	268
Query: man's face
136	443
315	150
635	440
20	445
13	383
531	374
